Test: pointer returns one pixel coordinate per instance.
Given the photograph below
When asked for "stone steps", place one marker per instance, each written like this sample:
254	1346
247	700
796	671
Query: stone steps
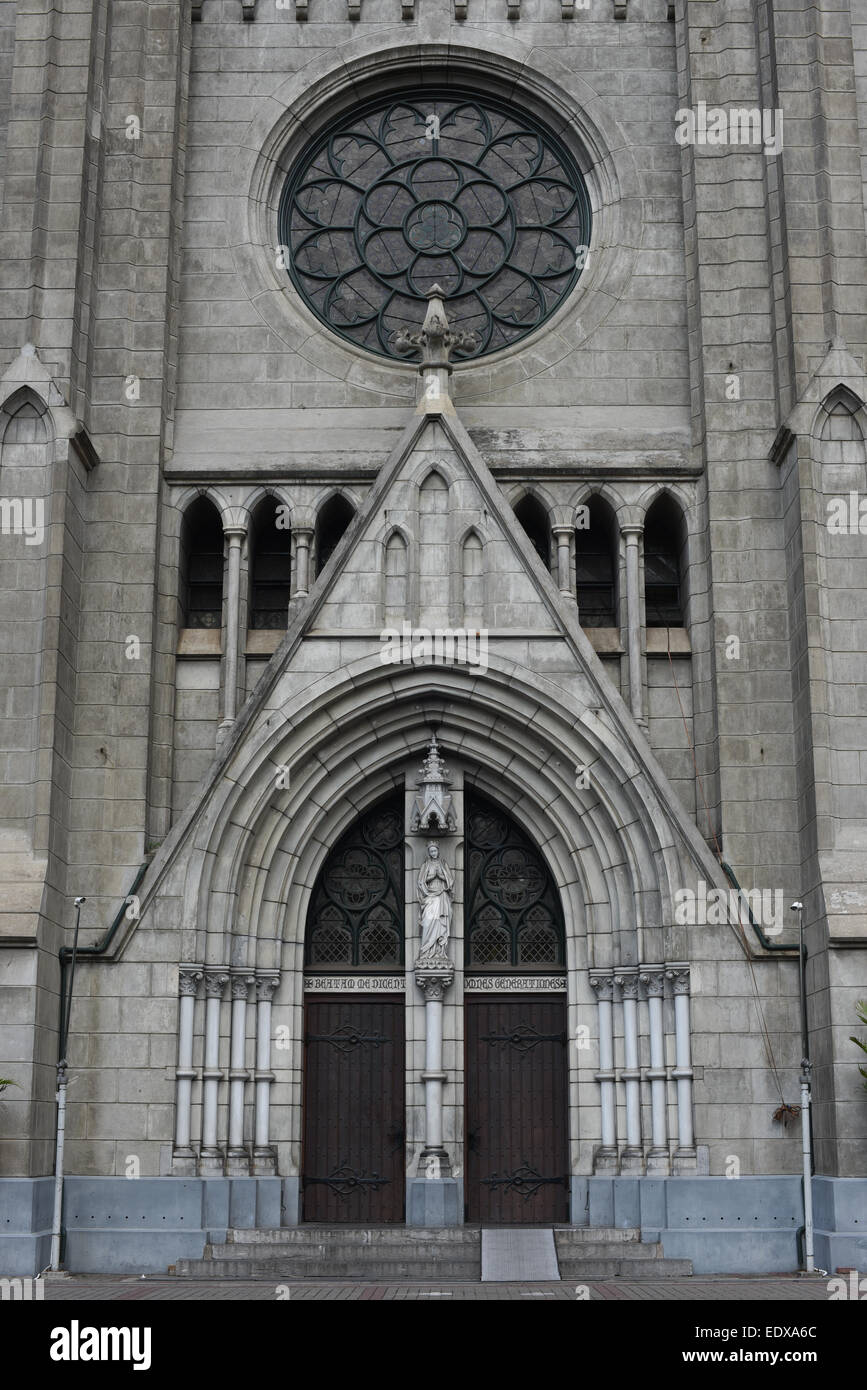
590	1253
613	1267
356	1237
394	1253
380	1271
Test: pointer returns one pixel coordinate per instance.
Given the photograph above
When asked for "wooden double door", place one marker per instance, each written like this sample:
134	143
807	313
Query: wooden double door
517	1169
516	1110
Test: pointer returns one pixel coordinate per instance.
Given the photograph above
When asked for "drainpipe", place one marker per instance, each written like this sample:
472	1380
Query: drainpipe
806	1071
67	957
62	1076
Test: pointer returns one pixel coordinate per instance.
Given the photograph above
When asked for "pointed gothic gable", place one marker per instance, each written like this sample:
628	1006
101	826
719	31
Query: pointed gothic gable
433	492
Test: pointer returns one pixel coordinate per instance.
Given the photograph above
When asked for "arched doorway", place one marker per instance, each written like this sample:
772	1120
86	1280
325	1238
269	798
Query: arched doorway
517	1168
354	1091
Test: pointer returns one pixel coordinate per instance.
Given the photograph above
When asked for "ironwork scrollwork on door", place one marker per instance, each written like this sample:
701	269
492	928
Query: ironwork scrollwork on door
525	1181
523	1038
344	1181
347	1037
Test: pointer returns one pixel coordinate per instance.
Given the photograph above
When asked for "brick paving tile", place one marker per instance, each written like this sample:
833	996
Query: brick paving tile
697	1289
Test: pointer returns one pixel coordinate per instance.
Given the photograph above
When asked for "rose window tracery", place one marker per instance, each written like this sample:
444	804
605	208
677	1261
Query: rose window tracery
433	189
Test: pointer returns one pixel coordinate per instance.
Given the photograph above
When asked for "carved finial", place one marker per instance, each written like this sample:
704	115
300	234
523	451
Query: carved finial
432	812
434	340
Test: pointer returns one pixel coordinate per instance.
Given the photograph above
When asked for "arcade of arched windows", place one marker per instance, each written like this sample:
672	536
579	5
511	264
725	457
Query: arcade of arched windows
242	562
627	569
241	568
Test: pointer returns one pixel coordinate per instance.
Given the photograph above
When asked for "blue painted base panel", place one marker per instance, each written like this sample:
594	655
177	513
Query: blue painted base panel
434	1202
746	1225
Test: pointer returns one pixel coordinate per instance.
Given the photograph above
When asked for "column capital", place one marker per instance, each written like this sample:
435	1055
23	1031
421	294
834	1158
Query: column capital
434	980
266	987
241	985
234	532
189	979
602	984
678	974
653	979
561	528
631	529
627	979
215	983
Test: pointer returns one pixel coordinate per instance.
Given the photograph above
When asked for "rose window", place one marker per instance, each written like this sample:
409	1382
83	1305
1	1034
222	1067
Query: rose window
435	190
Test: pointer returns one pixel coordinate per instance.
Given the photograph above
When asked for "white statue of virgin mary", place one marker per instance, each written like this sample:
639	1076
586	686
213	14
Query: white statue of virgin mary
435	885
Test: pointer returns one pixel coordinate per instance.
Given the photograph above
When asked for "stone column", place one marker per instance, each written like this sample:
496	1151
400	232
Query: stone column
211	1157
632	1158
264	1157
302	539
658	1163
433	981
563	536
434	1197
234	538
184	1158
602	984
685	1157
632	535
237	1158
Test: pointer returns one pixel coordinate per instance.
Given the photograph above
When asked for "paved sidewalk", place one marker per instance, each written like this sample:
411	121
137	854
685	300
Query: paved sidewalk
698	1289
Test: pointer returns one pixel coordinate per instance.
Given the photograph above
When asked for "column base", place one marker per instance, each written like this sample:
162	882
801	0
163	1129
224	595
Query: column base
685	1163
434	1162
632	1163
605	1161
658	1163
184	1164
212	1163
237	1164
264	1163
434	1202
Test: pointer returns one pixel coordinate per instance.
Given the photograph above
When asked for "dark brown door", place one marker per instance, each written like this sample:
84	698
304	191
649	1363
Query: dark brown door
517	1149
354	1110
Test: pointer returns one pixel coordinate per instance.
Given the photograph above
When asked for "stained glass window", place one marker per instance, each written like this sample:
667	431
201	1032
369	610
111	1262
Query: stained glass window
514	918
435	189
356	913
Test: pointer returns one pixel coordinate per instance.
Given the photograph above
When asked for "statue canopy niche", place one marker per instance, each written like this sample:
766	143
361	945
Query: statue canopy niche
432	811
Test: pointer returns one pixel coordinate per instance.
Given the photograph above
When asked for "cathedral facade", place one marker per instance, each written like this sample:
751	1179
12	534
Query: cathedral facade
433	483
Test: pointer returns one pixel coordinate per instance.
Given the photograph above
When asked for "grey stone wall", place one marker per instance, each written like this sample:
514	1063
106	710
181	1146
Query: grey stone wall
143	270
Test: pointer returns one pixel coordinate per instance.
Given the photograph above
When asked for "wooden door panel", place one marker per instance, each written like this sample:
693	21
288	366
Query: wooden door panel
354	1110
516	1111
